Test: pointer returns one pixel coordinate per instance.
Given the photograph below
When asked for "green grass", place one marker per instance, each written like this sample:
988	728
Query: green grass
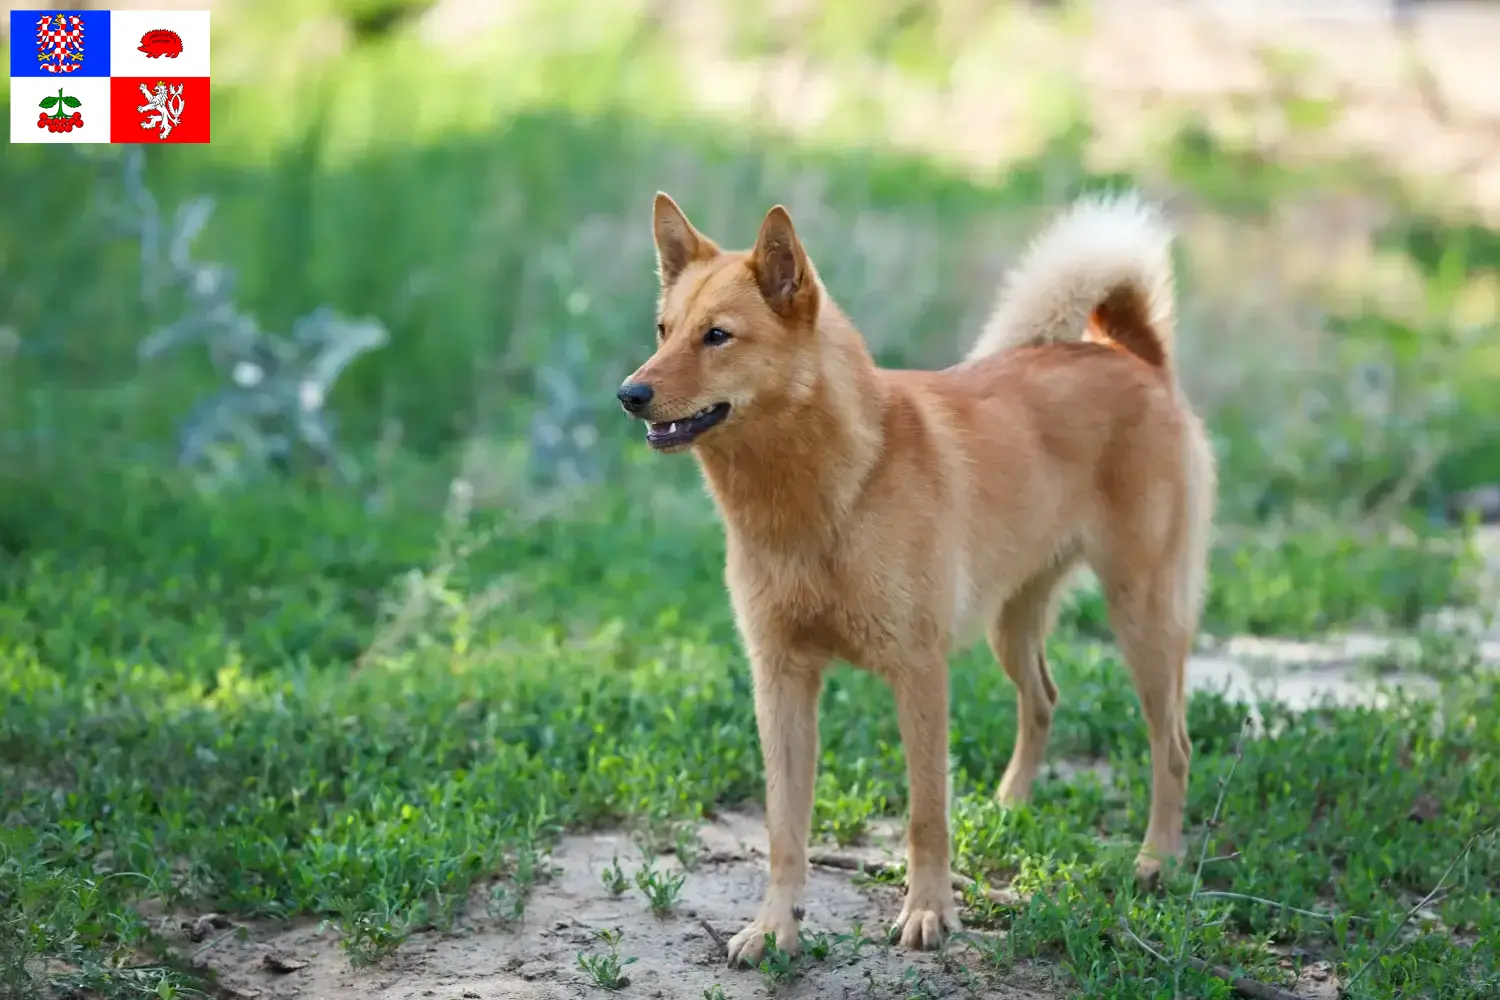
295	698
183	724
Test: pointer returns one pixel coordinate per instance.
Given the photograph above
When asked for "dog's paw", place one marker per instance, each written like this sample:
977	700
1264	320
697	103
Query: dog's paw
747	947
1147	871
1015	789
925	919
1150	868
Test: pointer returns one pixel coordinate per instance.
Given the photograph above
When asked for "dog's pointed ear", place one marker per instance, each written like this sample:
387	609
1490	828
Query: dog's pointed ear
781	267
678	244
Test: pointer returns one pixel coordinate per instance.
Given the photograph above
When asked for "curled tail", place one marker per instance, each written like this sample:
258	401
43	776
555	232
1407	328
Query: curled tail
1106	261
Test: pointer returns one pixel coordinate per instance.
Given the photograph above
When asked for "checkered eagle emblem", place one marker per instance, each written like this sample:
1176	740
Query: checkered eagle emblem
59	42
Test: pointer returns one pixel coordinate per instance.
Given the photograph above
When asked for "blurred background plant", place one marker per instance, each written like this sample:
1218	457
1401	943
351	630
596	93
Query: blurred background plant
473	179
270	412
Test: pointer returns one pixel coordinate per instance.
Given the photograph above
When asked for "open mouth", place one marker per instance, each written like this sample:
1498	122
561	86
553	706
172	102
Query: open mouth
676	433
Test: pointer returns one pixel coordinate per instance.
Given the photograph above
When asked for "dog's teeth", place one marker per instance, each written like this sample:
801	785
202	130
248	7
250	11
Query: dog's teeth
672	429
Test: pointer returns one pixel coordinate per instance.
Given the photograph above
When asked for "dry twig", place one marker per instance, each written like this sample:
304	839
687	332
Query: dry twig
877	869
1214	894
719	939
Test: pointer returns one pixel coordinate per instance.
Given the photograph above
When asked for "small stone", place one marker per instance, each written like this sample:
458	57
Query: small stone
282	963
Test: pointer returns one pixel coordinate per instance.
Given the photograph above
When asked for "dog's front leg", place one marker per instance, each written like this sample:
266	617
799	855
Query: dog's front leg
929	912
786	713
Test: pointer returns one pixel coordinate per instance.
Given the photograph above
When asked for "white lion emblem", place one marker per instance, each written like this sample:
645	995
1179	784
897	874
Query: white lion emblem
167	103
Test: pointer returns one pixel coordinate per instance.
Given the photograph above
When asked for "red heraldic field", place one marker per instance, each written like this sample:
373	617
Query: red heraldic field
158	109
159	90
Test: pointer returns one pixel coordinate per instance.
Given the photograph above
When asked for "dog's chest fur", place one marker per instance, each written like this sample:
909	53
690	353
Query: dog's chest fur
837	604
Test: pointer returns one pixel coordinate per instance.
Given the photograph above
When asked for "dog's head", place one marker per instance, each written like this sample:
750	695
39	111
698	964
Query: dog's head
735	331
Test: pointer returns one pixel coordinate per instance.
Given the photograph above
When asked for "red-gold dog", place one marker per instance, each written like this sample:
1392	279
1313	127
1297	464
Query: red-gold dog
881	517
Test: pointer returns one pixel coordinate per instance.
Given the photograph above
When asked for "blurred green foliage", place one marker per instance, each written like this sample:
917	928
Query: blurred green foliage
493	217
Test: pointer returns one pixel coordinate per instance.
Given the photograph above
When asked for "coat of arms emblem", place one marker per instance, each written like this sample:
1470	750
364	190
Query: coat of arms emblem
160	42
163	107
59	42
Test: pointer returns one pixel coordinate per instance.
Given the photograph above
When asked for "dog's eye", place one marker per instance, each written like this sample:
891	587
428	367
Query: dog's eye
715	337
661	332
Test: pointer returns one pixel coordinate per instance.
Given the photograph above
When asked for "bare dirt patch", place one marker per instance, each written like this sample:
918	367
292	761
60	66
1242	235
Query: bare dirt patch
680	955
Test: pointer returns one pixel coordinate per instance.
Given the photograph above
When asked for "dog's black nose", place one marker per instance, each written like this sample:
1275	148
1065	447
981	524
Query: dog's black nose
634	396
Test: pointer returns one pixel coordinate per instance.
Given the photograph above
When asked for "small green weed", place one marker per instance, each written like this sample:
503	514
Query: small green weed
614	878
915	985
855	940
660	888
687	845
370	934
816	944
607	971
506	904
777	967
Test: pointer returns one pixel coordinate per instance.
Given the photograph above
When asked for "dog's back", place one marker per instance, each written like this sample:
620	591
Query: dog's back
1064	436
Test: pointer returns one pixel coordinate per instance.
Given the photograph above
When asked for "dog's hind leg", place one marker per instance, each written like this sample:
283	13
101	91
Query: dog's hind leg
1018	639
1156	638
1153	561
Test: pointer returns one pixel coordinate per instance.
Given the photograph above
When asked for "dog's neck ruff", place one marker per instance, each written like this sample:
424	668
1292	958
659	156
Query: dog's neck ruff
793	477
